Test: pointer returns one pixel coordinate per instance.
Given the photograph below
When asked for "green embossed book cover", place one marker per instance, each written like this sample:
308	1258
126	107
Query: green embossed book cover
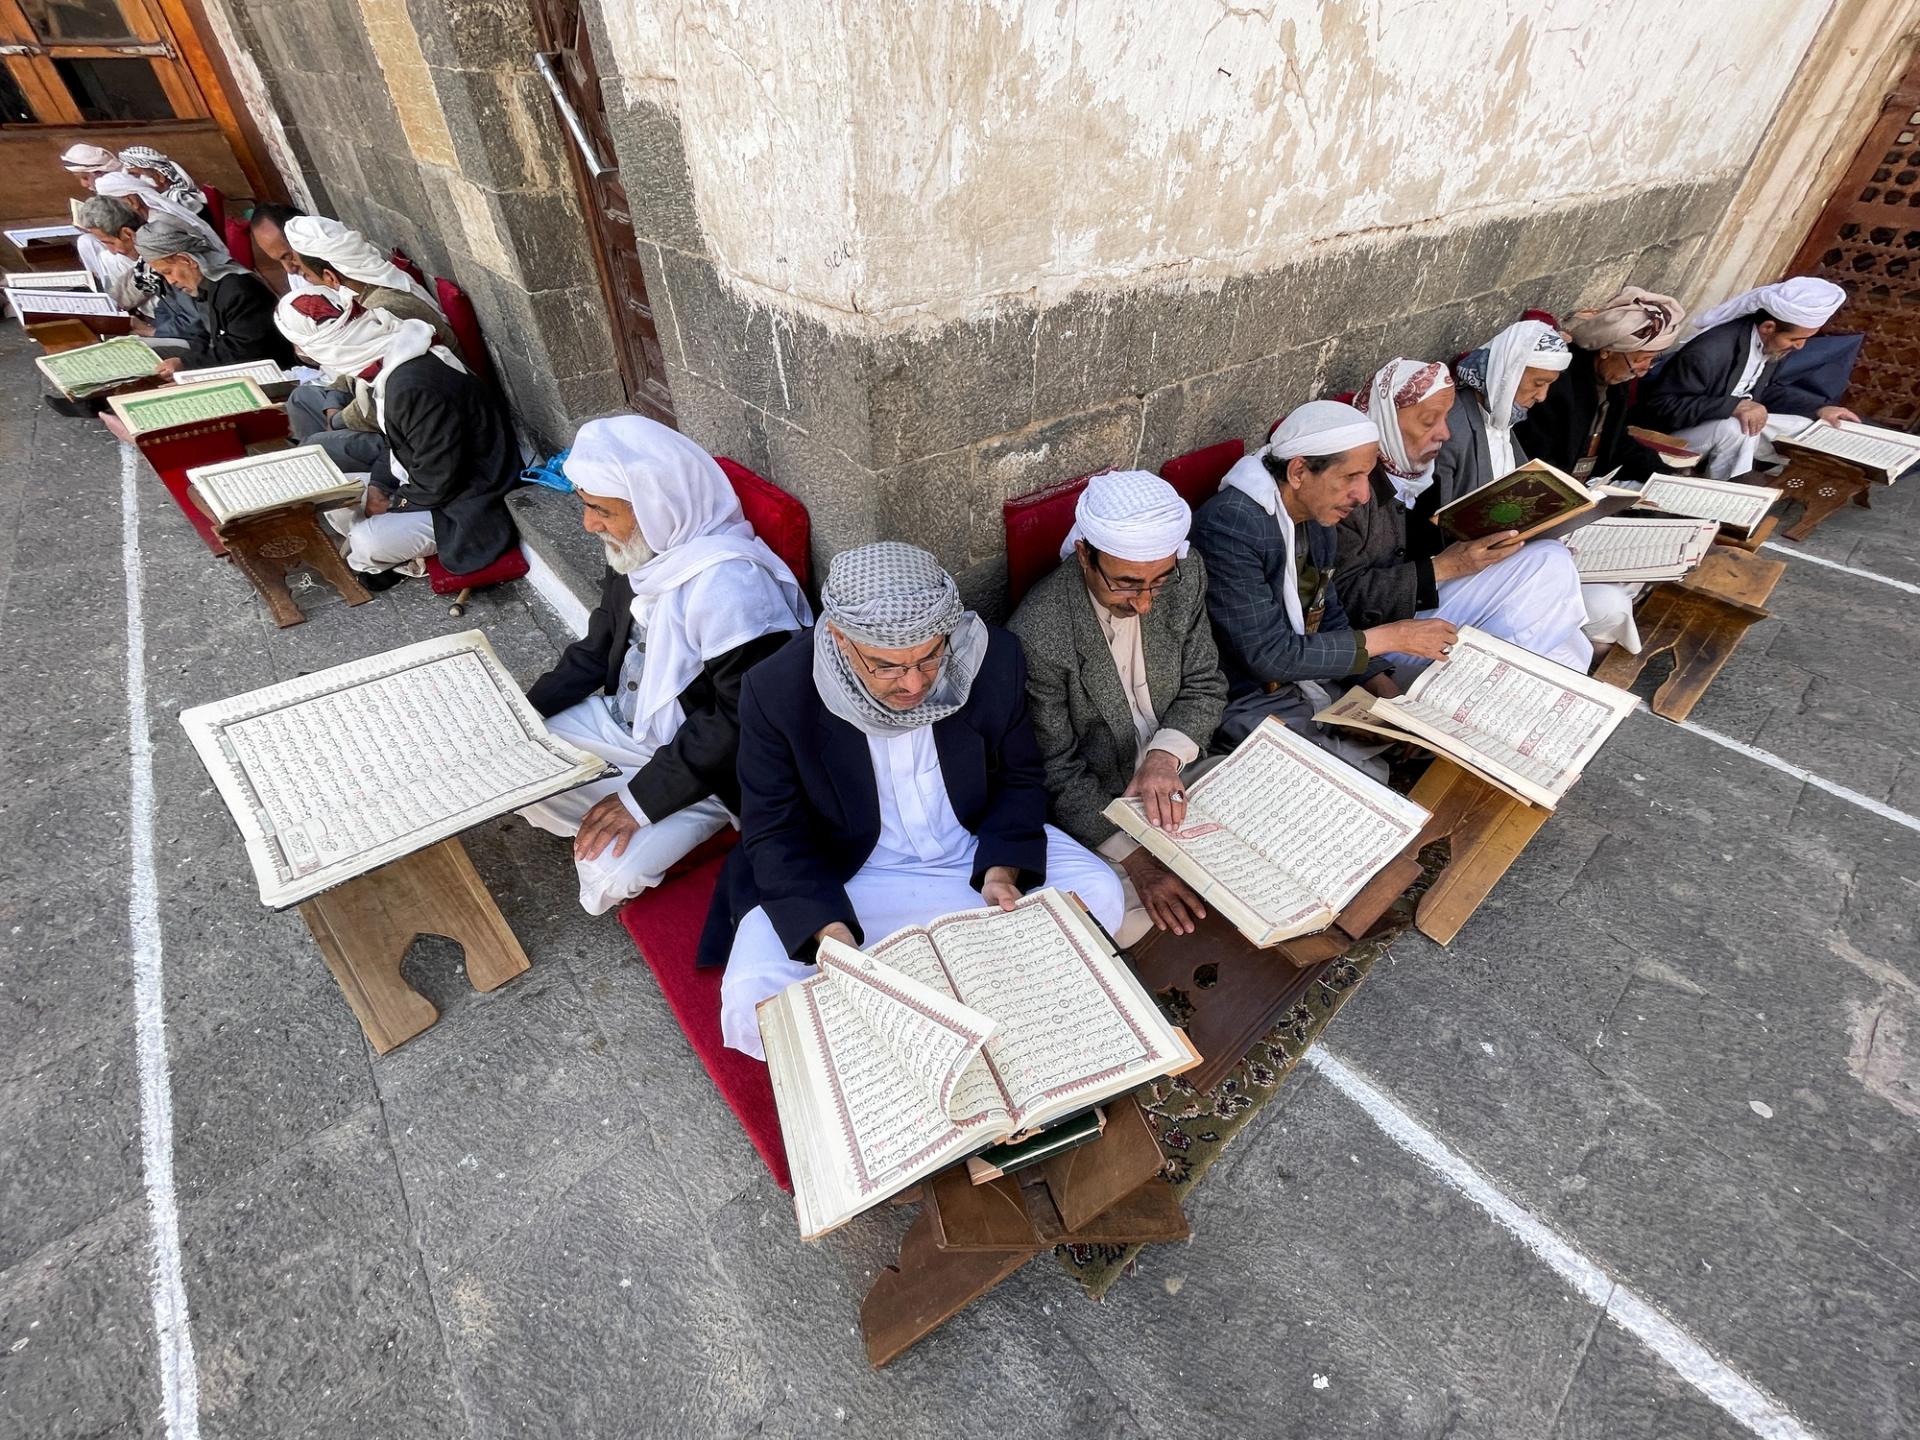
1531	499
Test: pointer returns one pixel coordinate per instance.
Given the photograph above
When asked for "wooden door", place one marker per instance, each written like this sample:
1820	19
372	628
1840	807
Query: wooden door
1868	241
568	65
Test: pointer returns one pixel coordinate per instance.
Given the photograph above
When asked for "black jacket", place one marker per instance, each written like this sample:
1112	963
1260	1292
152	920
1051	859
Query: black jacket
699	760
451	435
810	811
1558	428
1696	384
237	313
1385	560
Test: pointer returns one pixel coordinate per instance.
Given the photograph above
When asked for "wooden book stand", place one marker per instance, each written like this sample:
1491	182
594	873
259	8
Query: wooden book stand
1699	620
365	927
1822	483
175	450
1228	993
1762	533
270	546
1485	828
968	1238
53	336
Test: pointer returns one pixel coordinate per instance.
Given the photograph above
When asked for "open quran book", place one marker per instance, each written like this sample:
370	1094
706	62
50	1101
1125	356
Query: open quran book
336	773
948	1037
1535	498
1738	507
33	305
1628	551
26	235
1888	453
1523	723
261	372
49	280
89	369
170	405
1280	835
254	484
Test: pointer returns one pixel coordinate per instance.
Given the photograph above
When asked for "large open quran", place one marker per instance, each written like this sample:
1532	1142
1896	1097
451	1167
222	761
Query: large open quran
32	306
49	280
1889	454
262	372
1523	723
89	369
1280	835
171	405
1736	506
948	1037
25	235
335	773
254	484
1623	552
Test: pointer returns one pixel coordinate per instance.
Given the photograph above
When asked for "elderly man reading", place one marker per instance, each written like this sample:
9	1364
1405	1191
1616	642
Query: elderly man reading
236	307
1124	681
888	775
1719	395
1581	424
441	487
1395	565
692	601
160	312
1269	543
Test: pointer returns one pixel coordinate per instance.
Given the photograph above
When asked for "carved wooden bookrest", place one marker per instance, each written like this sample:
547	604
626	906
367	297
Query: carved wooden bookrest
53	336
1823	484
270	546
365	927
1485	828
1762	533
1226	992
1699	620
968	1238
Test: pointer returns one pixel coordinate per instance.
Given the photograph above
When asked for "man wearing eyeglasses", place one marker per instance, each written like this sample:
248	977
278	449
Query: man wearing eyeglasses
888	775
1124	681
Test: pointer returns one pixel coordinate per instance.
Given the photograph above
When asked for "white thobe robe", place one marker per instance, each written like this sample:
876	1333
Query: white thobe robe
920	869
1726	451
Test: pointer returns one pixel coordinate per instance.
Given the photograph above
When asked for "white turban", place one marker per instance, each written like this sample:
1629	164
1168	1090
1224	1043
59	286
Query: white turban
1322	427
1495	369
89	160
343	337
1130	515
1400	385
1804	300
350	254
119	186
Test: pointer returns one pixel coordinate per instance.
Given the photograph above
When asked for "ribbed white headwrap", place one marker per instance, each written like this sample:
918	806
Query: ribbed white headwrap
1130	515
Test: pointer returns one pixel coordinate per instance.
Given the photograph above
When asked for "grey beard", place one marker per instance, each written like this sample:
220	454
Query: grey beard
627	556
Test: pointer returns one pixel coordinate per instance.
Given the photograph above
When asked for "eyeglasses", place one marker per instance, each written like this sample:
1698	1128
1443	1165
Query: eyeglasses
928	667
1134	587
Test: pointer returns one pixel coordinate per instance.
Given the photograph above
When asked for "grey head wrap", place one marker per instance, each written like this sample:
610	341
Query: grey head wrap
169	235
893	597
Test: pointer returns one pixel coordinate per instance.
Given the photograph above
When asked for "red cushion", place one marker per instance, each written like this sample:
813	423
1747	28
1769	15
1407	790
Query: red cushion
239	241
465	325
776	516
665	923
1545	317
1198	473
216	215
401	258
510	566
1036	525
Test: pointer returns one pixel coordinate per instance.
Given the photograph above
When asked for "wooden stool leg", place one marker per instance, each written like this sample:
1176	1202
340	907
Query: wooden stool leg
927	1288
1486	829
459	606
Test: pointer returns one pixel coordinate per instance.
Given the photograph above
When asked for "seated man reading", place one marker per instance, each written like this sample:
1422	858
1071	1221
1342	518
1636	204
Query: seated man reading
160	312
1396	565
1718	394
236	307
1269	542
1124	680
692	601
888	775
1581	424
441	488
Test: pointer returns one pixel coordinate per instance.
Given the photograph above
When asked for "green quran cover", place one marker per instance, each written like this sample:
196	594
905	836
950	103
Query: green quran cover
1533	498
172	405
89	369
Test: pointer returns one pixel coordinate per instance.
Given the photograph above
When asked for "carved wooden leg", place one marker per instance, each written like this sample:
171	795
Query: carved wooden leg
1486	829
328	564
268	578
928	1287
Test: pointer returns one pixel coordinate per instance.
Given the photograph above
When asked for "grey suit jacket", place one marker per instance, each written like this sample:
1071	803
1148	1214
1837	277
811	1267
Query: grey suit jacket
1080	712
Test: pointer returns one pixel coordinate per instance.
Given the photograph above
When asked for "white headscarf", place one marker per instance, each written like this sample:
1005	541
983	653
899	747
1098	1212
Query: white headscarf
1319	427
89	160
349	253
1130	515
120	185
1804	300
1400	385
343	337
1494	370
712	584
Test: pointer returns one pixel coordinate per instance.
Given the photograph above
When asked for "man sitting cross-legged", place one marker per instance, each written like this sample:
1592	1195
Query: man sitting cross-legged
1124	681
1395	564
888	775
1269	542
693	599
1719	394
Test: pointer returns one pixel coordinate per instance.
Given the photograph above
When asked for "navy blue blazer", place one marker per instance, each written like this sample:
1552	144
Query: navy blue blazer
810	812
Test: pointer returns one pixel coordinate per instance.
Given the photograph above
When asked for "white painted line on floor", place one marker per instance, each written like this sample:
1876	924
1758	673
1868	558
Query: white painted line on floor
1787	767
1679	1351
1812	559
179	1380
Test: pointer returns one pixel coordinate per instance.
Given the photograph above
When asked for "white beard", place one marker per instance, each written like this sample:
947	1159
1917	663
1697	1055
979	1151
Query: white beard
628	556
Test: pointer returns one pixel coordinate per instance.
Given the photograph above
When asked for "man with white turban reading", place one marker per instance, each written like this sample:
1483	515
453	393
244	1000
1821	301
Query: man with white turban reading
1124	680
1497	385
86	164
693	600
1269	542
888	775
1719	394
1395	565
441	486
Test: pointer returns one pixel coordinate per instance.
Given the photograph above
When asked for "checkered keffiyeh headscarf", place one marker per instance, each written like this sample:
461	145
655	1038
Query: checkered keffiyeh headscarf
179	184
893	597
